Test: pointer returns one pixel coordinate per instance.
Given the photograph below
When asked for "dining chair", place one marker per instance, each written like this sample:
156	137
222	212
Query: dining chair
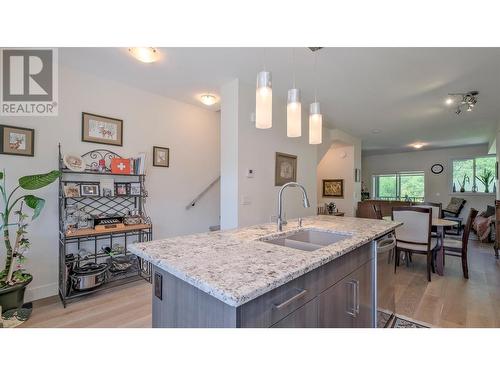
437	208
458	248
414	236
377	211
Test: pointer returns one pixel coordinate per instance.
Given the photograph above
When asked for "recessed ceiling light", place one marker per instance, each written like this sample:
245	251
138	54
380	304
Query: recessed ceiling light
208	99
145	54
376	131
449	101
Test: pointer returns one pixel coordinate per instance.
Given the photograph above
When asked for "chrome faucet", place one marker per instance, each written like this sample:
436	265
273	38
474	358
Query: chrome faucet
305	201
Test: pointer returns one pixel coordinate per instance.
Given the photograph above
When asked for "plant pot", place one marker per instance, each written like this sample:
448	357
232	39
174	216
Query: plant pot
462	190
12	297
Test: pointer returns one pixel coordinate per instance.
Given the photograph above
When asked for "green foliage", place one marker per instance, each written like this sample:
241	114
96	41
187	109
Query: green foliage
1	175
15	251
38	181
34	203
410	185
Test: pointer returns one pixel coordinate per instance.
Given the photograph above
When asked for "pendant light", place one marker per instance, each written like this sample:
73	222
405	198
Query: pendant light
293	108
264	101
315	117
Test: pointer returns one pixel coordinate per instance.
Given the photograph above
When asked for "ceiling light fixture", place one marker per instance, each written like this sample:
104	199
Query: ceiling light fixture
418	145
315	117
293	108
208	99
466	100
145	54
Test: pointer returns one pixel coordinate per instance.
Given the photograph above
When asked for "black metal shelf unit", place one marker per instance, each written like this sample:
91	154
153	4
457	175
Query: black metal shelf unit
118	205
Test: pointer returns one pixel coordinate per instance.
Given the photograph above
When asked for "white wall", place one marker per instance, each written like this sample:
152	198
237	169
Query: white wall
338	162
437	187
191	133
256	150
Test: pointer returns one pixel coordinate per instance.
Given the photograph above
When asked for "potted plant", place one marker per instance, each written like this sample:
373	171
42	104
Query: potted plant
13	277
486	178
462	183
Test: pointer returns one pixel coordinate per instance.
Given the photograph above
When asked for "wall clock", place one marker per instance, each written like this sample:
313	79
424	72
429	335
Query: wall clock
437	168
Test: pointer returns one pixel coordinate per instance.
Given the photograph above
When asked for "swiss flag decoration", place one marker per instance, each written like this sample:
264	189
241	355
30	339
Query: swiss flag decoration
120	166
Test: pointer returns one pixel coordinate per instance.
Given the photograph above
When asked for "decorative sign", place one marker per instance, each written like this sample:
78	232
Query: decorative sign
120	166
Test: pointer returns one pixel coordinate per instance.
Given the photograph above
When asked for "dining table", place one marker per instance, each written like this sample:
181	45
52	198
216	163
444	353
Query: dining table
440	225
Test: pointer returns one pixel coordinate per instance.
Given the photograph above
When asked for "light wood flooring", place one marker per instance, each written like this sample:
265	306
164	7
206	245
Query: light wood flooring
447	301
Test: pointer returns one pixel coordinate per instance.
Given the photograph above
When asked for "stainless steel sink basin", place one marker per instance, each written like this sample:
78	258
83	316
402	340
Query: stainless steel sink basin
308	239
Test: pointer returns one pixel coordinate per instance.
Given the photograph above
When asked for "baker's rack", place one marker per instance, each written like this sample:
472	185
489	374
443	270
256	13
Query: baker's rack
118	205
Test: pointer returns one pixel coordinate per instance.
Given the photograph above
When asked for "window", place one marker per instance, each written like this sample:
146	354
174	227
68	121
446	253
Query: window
400	186
470	175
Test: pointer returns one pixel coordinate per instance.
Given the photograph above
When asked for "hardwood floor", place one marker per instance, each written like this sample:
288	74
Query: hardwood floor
451	300
447	301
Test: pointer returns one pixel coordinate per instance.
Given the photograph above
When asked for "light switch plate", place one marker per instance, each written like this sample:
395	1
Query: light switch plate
250	173
245	200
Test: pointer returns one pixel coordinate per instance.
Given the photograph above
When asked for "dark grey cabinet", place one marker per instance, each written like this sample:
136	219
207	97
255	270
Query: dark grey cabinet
339	294
304	317
350	303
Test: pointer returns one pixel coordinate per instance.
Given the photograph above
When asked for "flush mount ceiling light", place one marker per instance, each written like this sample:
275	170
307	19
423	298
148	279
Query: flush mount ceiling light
417	145
465	101
208	99
145	54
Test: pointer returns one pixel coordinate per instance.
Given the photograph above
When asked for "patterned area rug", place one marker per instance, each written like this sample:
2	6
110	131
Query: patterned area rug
15	317
399	322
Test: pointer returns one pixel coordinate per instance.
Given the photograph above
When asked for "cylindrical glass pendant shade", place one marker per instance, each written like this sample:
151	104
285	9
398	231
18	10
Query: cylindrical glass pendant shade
294	114
264	101
315	124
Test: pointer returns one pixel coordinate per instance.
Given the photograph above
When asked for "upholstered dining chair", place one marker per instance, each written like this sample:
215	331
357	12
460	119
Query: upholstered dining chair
437	208
414	236
458	248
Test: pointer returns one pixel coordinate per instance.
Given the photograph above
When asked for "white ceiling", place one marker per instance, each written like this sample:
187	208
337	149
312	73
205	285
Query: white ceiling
399	91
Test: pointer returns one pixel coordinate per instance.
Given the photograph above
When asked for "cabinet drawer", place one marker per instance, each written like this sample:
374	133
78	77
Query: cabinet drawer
273	306
304	317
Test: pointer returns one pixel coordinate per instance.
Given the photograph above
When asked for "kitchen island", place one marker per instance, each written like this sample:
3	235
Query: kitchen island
238	278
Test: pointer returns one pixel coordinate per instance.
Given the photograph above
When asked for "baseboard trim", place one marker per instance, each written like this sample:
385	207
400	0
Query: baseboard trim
39	292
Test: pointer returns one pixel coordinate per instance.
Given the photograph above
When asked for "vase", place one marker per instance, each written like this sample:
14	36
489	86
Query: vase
454	188
494	187
462	190
12	297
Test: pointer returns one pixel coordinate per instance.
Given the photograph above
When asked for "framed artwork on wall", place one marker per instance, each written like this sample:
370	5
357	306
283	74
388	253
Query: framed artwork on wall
101	129
17	141
333	188
161	156
285	169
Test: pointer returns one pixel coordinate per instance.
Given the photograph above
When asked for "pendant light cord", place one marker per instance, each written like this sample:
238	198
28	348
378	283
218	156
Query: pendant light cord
315	77
293	66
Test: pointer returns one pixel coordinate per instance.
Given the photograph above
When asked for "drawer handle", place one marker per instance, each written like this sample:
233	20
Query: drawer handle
290	300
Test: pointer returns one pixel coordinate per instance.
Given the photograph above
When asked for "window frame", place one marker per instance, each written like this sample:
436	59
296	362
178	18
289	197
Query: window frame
375	183
473	158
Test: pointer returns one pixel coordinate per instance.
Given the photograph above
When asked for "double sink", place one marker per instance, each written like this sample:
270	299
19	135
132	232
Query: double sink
308	239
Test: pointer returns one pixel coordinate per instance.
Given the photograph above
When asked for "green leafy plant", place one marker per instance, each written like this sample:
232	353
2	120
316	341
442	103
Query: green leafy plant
462	183
486	177
14	206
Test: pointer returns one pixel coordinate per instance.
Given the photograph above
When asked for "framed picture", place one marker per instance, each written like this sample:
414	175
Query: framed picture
101	129
333	188
107	187
285	169
89	190
17	141
121	188
71	191
135	188
161	156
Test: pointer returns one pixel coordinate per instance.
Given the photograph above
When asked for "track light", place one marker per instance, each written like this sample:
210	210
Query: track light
467	100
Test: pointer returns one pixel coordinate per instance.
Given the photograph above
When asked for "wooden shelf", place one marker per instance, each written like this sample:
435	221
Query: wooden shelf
89	232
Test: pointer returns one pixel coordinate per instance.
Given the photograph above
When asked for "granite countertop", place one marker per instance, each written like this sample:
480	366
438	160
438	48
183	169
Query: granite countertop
235	267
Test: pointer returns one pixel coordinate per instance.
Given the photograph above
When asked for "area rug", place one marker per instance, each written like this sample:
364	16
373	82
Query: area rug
16	317
399	322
